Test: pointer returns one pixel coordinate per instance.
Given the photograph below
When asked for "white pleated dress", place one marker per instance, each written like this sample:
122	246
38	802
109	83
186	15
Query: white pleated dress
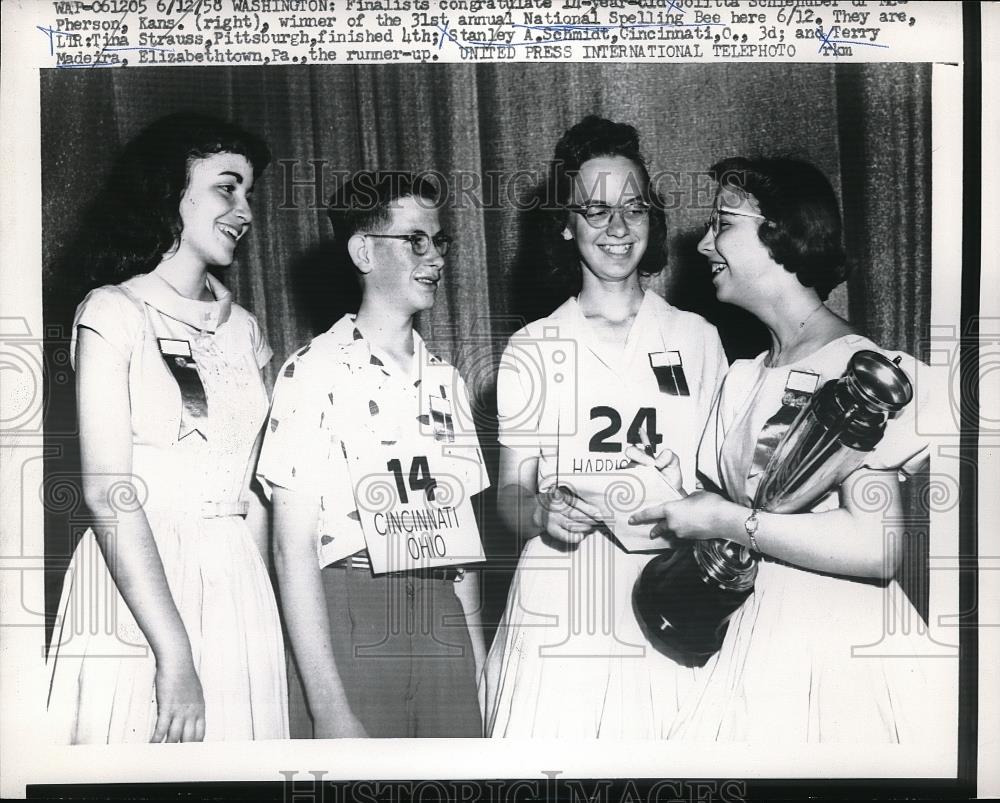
812	657
569	659
190	474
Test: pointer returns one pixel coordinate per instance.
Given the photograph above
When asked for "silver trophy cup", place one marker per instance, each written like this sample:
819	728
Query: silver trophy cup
684	599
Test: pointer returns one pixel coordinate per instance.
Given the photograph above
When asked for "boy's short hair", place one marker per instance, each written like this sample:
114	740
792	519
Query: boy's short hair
364	202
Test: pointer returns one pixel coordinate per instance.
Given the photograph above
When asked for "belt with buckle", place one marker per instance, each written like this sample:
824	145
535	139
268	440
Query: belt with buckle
218	510
447	573
359	560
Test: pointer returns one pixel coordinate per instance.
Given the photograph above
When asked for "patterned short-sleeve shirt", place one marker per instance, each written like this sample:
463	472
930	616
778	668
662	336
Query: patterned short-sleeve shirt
336	393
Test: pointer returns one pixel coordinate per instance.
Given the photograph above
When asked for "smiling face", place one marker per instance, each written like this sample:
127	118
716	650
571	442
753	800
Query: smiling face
214	209
612	253
393	274
739	261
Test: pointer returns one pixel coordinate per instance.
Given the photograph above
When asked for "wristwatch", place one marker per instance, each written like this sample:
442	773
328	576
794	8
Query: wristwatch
751	525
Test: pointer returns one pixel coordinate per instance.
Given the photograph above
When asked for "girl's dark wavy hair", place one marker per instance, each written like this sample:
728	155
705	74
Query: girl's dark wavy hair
135	219
593	137
803	231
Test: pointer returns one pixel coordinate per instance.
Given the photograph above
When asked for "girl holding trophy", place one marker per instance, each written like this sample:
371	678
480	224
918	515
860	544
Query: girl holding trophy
805	658
613	367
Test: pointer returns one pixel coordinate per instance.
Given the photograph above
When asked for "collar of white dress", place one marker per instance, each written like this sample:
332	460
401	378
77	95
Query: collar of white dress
644	329
207	316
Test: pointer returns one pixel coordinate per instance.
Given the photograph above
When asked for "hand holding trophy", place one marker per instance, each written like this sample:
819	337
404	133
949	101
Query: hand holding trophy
684	599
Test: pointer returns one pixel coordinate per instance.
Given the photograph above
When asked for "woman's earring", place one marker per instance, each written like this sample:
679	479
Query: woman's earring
567	234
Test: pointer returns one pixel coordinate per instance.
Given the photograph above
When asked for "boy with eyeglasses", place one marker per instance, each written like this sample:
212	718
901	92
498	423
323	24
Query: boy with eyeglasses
365	444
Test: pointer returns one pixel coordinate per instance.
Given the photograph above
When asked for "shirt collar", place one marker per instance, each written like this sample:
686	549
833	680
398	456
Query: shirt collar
358	351
204	315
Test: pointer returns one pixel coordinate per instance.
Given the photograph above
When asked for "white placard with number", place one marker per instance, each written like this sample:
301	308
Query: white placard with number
414	510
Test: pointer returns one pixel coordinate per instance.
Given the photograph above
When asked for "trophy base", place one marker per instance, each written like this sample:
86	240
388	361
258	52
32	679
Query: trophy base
682	611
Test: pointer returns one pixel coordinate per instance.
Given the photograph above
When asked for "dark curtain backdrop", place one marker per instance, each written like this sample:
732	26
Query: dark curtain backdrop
867	126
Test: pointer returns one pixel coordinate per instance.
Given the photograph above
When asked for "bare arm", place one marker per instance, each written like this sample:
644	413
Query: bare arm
851	540
124	536
304	606
526	512
516	489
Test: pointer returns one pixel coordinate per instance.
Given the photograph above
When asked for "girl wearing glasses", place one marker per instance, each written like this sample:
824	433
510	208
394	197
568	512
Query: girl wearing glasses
613	368
794	666
168	628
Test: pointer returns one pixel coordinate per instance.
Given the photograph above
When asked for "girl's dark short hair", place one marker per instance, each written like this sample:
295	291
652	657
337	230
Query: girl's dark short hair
803	231
136	217
589	139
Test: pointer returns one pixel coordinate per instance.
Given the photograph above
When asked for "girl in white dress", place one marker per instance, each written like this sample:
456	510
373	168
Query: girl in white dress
167	627
577	393
807	658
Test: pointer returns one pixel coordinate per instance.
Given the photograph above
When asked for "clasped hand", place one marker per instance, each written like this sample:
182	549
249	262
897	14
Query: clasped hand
568	518
565	516
697	516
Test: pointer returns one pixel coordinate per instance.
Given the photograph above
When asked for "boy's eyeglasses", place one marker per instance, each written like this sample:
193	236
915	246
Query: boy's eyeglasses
420	241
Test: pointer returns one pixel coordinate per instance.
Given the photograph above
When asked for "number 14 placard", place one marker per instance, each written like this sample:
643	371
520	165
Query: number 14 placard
414	513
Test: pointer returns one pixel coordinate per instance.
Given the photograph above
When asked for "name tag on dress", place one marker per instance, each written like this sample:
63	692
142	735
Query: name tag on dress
668	369
180	363
799	388
174	348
